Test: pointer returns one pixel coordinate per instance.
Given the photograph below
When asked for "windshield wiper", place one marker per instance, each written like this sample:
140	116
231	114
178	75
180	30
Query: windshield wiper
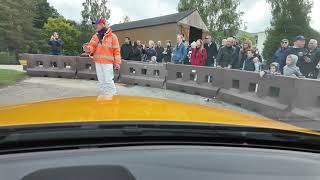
90	134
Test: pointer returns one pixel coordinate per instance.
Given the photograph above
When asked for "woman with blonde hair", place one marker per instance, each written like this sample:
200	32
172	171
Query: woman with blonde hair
150	51
246	46
199	54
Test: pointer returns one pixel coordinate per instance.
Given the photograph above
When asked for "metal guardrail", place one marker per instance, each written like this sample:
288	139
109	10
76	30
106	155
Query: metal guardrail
272	96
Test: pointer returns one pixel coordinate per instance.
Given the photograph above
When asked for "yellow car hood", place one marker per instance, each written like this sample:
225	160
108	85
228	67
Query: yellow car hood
129	108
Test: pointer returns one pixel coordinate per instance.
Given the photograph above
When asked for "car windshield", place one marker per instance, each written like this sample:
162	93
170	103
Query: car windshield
238	63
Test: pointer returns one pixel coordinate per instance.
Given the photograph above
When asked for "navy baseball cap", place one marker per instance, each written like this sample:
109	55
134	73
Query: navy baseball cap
300	37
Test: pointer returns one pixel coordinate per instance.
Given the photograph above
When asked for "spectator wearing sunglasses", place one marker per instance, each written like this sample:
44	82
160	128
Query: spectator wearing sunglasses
279	56
212	50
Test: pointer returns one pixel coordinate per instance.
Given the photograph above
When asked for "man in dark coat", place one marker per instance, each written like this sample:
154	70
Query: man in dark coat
314	54
212	51
56	43
279	55
304	60
159	50
126	49
226	55
236	63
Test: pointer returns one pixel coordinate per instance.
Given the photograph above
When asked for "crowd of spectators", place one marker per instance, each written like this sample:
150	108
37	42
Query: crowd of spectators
296	60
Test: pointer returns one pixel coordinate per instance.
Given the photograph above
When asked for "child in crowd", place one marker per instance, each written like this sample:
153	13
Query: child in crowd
150	51
153	59
250	63
257	59
257	64
291	69
193	45
274	70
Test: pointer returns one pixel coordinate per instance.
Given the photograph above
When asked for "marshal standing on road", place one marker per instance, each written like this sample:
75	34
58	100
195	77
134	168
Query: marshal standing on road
105	49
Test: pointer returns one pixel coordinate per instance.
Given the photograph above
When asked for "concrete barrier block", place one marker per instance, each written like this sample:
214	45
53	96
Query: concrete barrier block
192	80
142	81
86	68
52	66
242	81
67	67
280	88
144	74
38	64
36	60
118	73
265	106
263	95
306	100
192	88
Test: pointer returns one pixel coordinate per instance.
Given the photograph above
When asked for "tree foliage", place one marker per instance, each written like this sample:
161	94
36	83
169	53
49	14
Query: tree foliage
21	24
289	19
67	32
16	26
43	12
222	17
92	10
243	36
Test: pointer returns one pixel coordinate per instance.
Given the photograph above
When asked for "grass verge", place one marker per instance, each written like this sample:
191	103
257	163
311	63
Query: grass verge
10	77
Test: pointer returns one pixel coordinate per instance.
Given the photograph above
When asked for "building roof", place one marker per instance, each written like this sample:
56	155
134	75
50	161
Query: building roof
167	19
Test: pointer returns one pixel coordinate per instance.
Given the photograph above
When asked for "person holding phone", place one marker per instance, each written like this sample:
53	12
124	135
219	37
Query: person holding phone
56	44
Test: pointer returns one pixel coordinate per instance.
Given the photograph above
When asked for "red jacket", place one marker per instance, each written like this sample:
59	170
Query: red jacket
198	57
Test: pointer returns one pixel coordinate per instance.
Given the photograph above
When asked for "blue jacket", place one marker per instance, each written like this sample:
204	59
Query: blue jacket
149	52
179	53
56	46
280	58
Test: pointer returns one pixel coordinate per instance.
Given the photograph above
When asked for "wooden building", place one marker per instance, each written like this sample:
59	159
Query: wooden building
163	28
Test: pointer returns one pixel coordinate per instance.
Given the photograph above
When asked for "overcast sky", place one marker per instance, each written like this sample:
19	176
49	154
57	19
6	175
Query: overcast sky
256	13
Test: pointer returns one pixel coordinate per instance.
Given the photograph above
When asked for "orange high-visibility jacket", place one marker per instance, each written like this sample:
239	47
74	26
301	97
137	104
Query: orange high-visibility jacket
107	51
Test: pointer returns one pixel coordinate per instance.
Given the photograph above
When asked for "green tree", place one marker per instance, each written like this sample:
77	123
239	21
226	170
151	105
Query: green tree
68	33
43	12
92	10
16	27
222	17
289	19
243	36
